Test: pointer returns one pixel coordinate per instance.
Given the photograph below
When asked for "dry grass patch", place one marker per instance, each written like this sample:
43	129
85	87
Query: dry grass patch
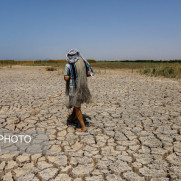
169	71
51	69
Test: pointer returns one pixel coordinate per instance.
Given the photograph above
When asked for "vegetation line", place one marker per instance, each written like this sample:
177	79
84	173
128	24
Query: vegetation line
170	69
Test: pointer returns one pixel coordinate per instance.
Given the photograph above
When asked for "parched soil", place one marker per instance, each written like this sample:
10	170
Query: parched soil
133	127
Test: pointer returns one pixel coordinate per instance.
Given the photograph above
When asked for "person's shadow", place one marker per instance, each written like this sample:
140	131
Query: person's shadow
76	123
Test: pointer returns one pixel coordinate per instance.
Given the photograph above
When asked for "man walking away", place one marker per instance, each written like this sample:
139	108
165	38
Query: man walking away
76	72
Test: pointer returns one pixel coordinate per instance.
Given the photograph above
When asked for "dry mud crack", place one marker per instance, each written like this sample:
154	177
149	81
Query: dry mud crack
134	130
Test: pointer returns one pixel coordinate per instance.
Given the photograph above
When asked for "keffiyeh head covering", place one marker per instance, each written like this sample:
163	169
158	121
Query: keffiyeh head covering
73	56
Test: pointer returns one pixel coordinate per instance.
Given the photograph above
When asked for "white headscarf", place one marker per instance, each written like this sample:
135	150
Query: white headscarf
73	56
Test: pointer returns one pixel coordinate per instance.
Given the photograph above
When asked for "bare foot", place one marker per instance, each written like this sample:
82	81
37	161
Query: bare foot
80	130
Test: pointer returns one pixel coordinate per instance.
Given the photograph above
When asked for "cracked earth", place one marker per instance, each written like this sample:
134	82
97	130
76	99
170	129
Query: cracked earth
133	130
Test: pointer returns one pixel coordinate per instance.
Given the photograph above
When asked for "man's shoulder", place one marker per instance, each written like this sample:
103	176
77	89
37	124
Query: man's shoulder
67	65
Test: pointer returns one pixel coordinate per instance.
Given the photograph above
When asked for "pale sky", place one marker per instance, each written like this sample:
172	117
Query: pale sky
100	29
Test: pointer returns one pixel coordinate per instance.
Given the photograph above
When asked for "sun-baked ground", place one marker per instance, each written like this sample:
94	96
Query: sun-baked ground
133	127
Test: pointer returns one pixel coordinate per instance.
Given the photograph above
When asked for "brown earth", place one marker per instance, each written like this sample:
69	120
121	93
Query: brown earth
134	130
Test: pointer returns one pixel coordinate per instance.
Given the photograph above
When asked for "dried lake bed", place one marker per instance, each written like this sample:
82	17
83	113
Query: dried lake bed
133	127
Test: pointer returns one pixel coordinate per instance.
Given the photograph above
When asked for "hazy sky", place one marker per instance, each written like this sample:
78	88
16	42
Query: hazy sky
100	29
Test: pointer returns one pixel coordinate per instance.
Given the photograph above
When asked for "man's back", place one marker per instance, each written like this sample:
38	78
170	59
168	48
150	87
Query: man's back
74	71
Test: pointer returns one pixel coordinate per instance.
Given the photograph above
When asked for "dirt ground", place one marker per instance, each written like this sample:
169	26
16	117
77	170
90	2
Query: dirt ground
133	127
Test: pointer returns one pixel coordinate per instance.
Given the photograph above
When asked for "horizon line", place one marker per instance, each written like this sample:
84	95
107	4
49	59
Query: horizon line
96	60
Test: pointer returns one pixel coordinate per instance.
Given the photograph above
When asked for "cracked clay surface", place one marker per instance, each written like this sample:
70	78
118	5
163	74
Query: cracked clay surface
134	130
